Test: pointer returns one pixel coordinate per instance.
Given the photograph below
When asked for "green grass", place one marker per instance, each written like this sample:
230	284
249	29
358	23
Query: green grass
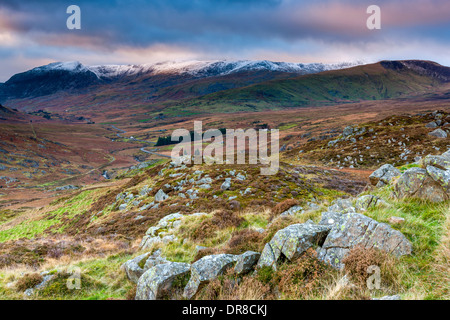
424	227
101	278
34	227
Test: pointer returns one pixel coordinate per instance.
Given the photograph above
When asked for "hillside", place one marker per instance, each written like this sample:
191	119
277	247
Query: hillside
380	81
167	218
63	85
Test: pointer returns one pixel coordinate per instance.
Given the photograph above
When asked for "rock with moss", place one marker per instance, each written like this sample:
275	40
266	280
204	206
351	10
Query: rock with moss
291	242
384	175
365	202
207	269
417	183
357	229
442	177
441	162
159	233
158	280
246	262
292	211
341	205
133	269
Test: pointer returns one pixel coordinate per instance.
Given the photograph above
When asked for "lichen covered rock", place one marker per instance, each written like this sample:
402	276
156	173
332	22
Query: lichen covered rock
207	269
384	175
291	242
246	262
416	182
158	280
358	230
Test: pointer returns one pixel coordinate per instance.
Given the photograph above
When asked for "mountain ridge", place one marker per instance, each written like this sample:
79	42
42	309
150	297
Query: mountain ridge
73	75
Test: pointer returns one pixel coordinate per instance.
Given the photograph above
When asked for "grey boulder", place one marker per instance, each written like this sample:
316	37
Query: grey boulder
416	182
159	279
161	196
207	269
438	133
384	175
246	262
356	229
132	268
291	242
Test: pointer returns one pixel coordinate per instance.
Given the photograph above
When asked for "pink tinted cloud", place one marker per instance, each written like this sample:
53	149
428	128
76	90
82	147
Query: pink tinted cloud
350	18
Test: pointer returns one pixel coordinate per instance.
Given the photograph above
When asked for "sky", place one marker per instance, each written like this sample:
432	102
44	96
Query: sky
34	33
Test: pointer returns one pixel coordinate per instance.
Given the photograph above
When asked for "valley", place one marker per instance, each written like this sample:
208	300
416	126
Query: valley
84	185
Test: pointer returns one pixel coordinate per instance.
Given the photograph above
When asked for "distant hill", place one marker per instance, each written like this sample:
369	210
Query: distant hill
73	76
8	114
383	80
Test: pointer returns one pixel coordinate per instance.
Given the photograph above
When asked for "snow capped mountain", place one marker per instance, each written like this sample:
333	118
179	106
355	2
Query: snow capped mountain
73	66
73	75
213	68
193	68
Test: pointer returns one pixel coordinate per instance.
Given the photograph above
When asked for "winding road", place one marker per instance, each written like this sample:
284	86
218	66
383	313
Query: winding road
143	148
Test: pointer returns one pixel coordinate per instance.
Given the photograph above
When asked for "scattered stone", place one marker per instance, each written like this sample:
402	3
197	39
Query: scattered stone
226	185
396	220
68	187
384	175
438	133
145	190
431	124
293	211
341	205
161	196
347	131
132	268
158	233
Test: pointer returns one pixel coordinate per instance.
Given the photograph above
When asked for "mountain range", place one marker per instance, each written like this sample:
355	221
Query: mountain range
189	87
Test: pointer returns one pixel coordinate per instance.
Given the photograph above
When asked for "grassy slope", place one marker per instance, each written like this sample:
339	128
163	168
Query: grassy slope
422	275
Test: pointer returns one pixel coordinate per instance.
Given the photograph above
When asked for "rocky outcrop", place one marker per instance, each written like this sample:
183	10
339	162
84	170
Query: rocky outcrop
159	279
291	242
419	183
132	268
292	211
207	269
136	267
367	201
441	162
246	262
384	175
160	232
438	133
355	229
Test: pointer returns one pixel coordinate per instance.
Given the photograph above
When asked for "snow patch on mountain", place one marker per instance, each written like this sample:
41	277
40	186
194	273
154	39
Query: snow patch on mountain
194	68
73	66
